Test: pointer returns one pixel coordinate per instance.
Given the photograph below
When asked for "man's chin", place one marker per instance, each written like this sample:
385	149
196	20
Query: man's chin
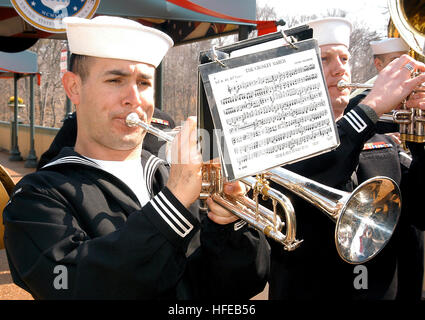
127	143
341	101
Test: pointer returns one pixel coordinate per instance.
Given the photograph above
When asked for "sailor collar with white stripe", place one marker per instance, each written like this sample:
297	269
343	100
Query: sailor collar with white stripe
69	156
166	209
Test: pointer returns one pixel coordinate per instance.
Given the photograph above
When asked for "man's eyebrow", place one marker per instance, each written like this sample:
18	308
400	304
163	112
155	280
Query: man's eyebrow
117	72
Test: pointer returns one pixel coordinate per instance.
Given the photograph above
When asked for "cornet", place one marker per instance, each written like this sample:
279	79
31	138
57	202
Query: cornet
261	218
411	121
365	219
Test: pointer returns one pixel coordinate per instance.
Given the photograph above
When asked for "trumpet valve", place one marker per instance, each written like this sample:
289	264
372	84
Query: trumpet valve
402	116
420	118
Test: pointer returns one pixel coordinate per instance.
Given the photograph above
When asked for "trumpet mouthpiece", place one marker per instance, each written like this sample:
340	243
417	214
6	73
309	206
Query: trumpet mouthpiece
132	120
341	84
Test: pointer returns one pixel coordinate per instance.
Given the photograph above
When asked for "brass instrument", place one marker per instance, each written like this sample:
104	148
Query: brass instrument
408	22
342	85
386	117
267	221
411	121
365	219
261	218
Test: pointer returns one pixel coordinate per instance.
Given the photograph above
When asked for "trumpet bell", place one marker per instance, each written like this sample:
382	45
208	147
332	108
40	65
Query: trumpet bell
367	220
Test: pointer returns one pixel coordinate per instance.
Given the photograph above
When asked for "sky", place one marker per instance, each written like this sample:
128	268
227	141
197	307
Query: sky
373	13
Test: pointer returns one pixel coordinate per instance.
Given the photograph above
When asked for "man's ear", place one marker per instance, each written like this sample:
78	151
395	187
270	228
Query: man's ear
378	64
72	84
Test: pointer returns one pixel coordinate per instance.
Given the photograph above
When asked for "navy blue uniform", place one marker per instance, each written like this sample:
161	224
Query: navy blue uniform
314	270
90	223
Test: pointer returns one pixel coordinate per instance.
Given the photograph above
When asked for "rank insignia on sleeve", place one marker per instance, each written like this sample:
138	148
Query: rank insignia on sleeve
160	121
376	145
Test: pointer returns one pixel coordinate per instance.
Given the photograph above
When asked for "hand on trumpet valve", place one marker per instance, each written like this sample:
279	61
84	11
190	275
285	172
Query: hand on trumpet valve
416	99
394	84
186	165
216	212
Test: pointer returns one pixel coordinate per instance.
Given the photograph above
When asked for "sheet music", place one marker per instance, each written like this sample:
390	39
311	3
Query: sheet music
273	112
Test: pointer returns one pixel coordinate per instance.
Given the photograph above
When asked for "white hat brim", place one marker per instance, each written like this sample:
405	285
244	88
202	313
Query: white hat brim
116	38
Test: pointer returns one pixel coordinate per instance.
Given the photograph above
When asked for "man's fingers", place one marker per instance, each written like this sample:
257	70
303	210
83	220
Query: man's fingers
220	219
234	189
416	100
218	214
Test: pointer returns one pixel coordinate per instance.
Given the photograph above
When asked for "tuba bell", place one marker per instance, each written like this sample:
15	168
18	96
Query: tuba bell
408	22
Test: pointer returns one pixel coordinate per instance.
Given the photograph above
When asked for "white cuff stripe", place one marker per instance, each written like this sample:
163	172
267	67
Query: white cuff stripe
174	209
168	221
355	121
359	118
166	214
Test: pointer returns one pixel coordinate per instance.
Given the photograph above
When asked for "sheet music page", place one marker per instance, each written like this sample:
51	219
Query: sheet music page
273	112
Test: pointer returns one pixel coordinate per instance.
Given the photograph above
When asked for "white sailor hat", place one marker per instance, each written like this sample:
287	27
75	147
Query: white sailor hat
331	31
117	38
389	45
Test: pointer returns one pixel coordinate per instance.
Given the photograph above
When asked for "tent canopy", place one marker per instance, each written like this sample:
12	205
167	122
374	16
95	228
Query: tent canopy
24	62
182	20
218	11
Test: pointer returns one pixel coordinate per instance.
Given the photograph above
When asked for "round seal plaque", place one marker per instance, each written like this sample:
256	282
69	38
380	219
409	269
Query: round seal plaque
47	15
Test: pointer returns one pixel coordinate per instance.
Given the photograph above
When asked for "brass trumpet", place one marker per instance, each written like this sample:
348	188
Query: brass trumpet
343	84
365	219
411	121
408	22
267	221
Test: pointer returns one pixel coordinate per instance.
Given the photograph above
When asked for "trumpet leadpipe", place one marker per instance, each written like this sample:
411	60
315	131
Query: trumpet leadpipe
133	120
342	85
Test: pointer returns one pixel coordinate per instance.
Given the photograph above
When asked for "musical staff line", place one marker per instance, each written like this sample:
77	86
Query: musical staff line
273	111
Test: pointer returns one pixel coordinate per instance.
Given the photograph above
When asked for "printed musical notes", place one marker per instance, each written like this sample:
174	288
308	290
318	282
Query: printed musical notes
273	112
